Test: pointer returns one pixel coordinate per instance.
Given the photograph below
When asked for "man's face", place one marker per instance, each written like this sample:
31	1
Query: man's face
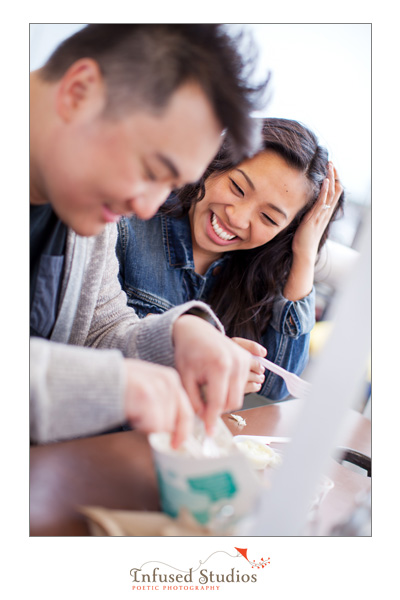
97	169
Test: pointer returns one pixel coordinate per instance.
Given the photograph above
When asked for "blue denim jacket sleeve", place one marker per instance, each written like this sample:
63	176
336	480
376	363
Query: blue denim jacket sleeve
287	340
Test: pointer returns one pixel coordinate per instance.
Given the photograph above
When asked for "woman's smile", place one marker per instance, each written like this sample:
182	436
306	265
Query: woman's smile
218	232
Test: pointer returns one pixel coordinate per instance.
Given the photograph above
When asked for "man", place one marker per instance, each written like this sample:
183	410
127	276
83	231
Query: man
120	115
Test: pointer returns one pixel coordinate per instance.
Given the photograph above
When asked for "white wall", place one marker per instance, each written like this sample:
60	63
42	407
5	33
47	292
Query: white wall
45	37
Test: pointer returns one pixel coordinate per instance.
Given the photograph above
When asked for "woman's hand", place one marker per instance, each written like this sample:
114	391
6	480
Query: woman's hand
256	373
315	221
308	236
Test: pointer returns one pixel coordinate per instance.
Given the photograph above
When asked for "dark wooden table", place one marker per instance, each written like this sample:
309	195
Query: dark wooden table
116	471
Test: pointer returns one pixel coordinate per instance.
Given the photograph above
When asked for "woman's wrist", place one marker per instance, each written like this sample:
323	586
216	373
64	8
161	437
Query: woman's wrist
308	258
301	278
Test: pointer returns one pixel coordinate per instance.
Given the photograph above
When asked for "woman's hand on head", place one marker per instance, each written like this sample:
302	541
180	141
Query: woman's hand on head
308	236
309	233
256	374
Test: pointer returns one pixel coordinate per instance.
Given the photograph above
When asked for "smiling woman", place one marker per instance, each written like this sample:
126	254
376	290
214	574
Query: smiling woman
244	239
246	207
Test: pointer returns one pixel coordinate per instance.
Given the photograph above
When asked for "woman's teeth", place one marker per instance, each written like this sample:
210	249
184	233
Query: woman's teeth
219	231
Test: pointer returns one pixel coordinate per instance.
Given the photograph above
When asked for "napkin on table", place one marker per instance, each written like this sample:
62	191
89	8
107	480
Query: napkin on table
107	522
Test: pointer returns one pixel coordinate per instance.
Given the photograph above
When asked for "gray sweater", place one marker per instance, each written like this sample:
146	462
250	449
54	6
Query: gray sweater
77	377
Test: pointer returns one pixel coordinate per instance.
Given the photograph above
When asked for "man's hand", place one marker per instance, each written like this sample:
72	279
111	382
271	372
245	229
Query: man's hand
213	369
156	401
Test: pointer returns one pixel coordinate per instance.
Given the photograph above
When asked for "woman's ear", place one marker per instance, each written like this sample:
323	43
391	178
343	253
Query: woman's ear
81	91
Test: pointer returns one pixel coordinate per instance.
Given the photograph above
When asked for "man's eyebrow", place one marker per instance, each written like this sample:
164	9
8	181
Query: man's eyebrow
169	164
251	184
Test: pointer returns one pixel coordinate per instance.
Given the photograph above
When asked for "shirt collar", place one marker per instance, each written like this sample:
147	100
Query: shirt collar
177	236
178	241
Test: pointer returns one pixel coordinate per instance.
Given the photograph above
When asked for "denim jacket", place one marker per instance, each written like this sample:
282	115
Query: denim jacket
157	272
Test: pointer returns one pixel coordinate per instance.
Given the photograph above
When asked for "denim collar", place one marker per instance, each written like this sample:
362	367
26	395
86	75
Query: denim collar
177	237
178	241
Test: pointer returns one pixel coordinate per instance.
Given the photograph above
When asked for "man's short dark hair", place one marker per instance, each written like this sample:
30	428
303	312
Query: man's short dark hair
143	65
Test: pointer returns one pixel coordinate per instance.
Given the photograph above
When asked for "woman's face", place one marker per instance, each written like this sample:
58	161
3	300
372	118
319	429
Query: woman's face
247	206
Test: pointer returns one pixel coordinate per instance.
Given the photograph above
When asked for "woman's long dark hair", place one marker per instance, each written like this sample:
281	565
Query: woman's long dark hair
251	280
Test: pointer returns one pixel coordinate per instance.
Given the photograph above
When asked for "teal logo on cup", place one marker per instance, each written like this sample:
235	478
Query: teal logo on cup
199	495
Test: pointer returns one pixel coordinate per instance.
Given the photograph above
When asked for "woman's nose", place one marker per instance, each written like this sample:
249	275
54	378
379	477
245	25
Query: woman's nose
239	215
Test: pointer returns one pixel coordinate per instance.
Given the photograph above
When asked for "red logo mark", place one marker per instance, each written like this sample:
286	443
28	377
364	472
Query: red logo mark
253	563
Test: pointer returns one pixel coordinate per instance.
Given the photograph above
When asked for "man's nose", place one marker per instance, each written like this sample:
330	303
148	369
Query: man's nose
147	204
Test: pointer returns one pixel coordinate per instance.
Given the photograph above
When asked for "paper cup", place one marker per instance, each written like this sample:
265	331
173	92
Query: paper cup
215	491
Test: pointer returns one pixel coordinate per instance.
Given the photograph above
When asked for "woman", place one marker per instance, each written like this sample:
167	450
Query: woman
244	239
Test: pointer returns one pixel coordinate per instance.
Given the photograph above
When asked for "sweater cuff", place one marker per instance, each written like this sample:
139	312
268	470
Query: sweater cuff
202	314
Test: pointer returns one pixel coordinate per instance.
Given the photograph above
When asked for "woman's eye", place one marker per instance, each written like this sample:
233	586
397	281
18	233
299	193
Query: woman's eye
237	188
269	219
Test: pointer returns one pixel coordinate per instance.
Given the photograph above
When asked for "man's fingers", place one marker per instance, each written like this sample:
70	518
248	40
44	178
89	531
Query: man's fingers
183	424
216	394
195	392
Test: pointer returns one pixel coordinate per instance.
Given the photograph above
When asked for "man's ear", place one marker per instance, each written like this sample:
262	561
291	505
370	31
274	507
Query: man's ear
81	91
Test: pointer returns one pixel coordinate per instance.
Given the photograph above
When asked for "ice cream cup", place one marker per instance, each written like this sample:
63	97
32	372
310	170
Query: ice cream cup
216	491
